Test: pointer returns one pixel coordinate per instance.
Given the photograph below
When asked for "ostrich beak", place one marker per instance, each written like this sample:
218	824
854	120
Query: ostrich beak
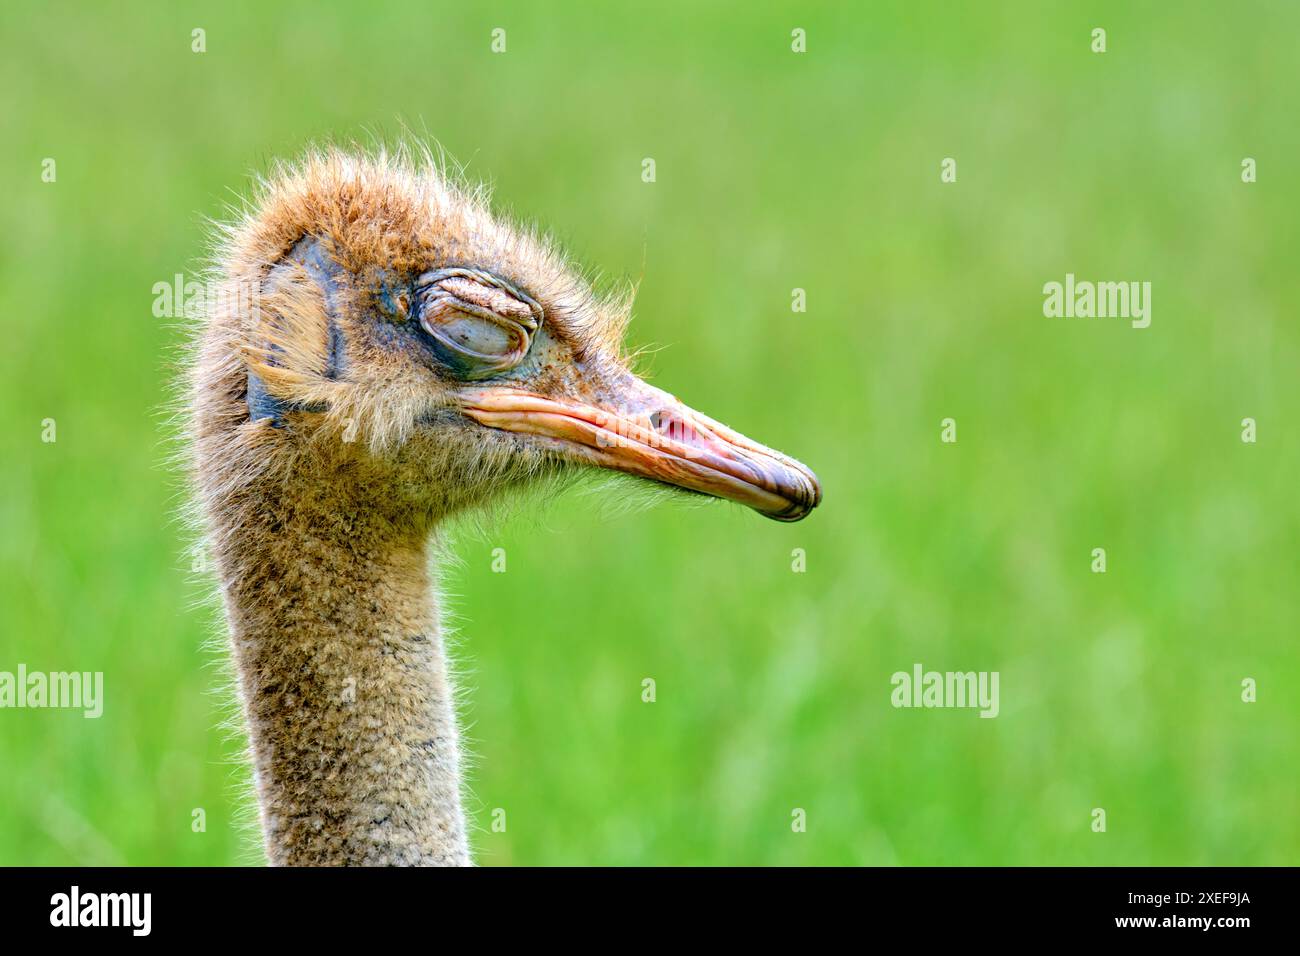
636	428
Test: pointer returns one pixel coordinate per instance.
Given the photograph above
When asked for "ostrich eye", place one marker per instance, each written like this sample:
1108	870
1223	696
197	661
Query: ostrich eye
479	324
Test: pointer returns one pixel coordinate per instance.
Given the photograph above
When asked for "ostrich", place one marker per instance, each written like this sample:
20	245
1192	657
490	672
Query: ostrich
384	355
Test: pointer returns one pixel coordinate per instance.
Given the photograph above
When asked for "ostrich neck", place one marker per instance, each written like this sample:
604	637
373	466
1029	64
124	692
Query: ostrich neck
335	637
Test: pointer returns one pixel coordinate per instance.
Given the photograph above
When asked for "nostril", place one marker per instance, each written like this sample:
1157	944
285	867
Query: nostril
671	426
667	424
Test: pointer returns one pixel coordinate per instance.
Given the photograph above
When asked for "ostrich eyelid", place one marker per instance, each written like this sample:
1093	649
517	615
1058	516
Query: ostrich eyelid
536	313
441	311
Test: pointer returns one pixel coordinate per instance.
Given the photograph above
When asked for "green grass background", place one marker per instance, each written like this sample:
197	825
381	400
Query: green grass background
775	171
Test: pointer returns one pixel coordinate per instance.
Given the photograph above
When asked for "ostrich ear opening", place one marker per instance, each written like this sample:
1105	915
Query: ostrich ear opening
301	289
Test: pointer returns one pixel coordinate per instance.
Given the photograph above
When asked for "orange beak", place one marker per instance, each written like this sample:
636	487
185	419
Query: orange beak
653	435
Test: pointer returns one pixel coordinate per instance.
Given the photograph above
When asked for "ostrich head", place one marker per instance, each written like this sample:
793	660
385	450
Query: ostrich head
383	354
384	337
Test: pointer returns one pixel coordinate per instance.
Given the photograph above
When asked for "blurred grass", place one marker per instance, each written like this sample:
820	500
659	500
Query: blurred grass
924	302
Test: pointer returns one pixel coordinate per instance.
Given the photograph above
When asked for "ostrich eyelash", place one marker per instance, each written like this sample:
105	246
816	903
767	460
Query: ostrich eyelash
395	301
